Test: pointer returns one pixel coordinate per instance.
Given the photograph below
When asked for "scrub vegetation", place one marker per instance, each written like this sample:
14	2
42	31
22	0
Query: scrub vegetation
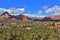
19	30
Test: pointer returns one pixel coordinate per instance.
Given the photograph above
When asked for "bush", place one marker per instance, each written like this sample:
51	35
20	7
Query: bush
37	32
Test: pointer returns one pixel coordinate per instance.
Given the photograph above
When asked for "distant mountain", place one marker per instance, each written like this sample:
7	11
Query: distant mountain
6	16
48	18
56	17
51	18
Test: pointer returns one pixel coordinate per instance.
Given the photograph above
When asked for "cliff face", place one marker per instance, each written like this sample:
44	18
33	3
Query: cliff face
46	19
56	17
24	18
6	16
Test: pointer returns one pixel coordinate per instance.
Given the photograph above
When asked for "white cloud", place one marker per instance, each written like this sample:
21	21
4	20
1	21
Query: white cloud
39	12
12	10
17	11
53	11
45	7
33	15
21	9
2	10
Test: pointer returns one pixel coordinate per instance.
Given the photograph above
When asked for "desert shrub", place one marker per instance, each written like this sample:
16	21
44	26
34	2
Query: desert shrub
38	31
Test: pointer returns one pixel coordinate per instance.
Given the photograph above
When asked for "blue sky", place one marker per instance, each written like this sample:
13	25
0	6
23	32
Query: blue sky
30	5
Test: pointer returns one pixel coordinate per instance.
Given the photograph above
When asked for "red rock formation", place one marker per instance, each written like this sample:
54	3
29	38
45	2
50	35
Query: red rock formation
4	16
24	18
56	17
13	19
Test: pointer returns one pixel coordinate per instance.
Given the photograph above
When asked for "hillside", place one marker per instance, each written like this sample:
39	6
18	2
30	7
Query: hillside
56	17
52	18
7	16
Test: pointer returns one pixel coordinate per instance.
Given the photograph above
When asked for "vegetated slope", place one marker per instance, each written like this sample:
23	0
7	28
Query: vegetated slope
18	30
